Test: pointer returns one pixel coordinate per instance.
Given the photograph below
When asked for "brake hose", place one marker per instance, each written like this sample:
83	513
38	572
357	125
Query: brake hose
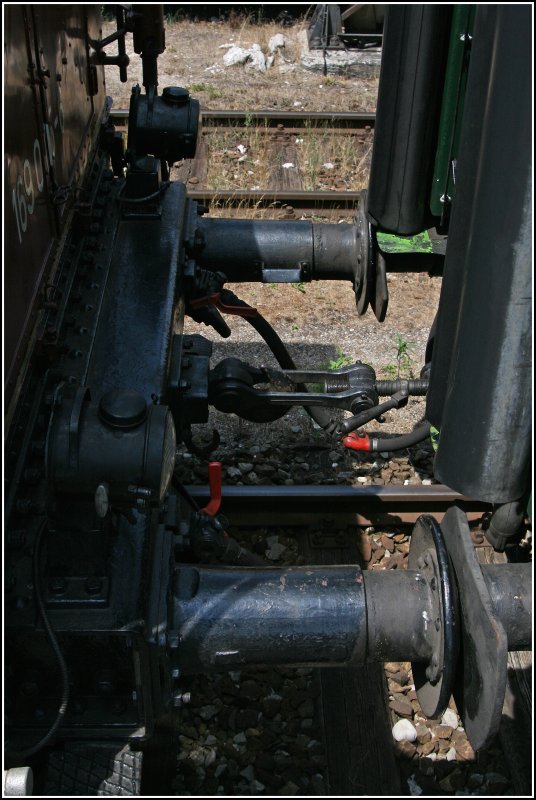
365	443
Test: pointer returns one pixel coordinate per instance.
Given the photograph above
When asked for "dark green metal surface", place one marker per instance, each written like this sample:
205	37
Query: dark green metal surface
443	182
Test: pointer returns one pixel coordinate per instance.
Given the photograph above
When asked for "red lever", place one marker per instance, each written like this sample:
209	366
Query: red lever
214	480
357	441
215	300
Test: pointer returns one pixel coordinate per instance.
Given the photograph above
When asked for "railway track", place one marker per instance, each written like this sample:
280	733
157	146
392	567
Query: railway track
347	120
288	203
285	196
368	505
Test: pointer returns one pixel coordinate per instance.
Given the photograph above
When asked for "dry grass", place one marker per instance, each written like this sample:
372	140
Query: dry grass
333	160
229	167
324	160
245	210
194	56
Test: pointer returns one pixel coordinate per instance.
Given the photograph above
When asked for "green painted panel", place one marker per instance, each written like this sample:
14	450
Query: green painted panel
419	243
452	108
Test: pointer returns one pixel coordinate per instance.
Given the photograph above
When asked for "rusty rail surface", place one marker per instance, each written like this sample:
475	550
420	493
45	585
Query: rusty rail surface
346	120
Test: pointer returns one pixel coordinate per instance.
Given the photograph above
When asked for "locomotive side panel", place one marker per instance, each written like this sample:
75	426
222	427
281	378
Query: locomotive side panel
54	98
29	218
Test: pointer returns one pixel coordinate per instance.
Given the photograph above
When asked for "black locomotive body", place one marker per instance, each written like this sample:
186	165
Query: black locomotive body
107	607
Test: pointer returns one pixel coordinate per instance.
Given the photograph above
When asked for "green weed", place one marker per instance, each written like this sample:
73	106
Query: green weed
342	360
389	372
299	286
212	91
403	368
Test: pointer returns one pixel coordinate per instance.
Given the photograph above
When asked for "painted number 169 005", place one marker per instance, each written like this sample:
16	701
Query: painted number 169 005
27	187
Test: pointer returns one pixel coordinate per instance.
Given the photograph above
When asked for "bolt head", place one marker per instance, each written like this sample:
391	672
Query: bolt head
93	585
57	585
102	500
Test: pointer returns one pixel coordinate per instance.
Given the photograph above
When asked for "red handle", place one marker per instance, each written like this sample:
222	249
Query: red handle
215	300
214	480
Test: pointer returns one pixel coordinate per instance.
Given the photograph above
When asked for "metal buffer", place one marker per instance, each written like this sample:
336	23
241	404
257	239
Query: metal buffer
336	615
272	251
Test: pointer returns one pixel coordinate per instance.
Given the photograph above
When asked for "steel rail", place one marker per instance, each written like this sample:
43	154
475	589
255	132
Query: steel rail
345	201
404	503
346	120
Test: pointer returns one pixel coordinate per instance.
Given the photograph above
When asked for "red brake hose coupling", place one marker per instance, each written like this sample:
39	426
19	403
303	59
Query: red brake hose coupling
358	441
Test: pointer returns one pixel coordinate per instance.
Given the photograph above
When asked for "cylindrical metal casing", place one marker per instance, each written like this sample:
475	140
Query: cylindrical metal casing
228	618
164	126
323	616
84	451
256	250
400	616
510	589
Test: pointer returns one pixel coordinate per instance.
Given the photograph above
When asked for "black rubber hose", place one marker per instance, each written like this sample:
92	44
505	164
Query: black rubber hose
383	445
30	751
138	200
320	415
